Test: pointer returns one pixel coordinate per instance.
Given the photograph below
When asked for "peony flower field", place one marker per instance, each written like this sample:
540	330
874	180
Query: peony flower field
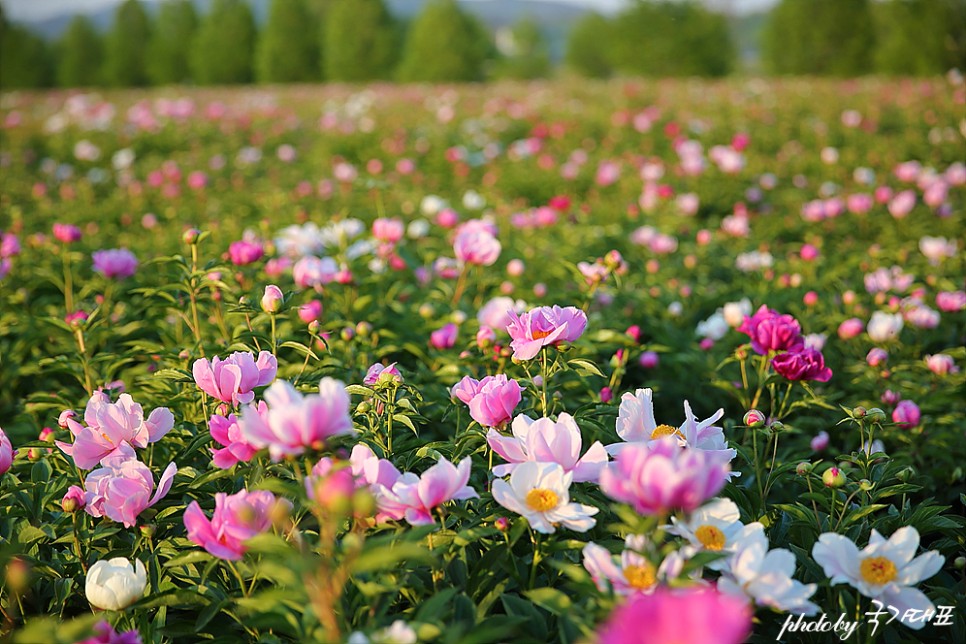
612	361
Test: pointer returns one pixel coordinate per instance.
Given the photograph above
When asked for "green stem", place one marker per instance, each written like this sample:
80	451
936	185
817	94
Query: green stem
68	282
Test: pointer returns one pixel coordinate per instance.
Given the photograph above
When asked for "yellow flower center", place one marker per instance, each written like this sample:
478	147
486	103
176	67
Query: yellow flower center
541	499
711	538
641	577
877	570
539	335
665	430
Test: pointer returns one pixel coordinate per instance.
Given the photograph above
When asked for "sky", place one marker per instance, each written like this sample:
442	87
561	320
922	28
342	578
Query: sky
29	10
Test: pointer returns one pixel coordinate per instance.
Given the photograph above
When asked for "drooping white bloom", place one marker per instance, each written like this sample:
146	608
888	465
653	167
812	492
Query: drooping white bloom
114	584
715	327
884	570
541	493
765	576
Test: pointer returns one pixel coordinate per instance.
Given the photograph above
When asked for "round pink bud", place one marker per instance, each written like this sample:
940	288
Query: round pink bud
820	441
833	477
809	252
810	299
606	395
649	360
851	328
272	299
754	418
515	267
877	357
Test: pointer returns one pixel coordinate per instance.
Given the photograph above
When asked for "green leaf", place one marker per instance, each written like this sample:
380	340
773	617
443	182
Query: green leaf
585	367
551	599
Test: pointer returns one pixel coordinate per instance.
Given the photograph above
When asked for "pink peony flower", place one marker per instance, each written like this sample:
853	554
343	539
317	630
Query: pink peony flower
116	263
851	328
496	312
476	246
6	453
876	357
121	488
104	633
74	499
310	311
226	432
544	326
67	233
772	331
902	204
233	379
415	497
379	372
294	422
388	230
312	272
547	441
111	426
696	615
237	518
951	301
444	338
245	251
491	400
820	441
660	477
906	414
807	364
941	364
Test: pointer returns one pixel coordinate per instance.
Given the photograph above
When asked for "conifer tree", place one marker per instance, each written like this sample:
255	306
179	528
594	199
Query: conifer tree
288	45
171	41
79	55
125	50
444	44
222	52
359	41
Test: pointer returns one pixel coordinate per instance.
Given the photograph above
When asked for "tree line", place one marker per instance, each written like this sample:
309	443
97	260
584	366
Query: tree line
359	40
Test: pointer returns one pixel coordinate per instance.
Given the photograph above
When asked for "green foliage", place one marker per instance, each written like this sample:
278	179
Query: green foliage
834	37
287	46
171	41
444	44
222	52
79	55
25	61
359	40
670	39
587	53
527	56
125	49
919	37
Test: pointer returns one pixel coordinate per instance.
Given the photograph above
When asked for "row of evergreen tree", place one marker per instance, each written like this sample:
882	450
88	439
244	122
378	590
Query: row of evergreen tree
359	40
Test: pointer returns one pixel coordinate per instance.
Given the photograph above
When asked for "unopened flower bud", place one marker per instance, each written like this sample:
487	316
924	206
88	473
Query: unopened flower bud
876	415
959	563
347	334
73	500
906	474
190	236
754	418
803	468
148	530
272	299
363	329
502	524
859	412
833	477
865	485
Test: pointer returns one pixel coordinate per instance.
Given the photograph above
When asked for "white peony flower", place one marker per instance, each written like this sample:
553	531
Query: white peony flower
735	312
765	576
114	584
715	327
541	493
884	570
631	572
884	326
714	527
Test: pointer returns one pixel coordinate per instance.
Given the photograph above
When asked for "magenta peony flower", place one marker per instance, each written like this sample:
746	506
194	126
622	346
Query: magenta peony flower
906	414
544	326
228	434
245	251
237	518
104	633
491	400
115	263
111	426
772	331
696	615
6	453
67	233
310	311
415	497
121	488
807	364
444	338
294	422
476	246
660	477
233	379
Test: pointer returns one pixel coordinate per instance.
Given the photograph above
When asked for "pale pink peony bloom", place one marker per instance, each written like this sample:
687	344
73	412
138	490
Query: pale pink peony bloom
679	616
116	263
234	379
237	518
496	312
544	326
388	230
547	441
951	301
902	204
378	372
491	400
941	364
111	425
906	414
295	422
661	477
630	572
121	488
476	246
415	497
851	328
876	357
313	272
226	432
